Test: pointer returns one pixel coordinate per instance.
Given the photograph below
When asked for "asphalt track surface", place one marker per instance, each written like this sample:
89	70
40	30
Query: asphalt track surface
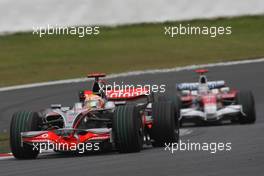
245	158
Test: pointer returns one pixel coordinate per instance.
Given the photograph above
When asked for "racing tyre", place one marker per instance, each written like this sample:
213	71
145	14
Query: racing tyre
246	99
22	122
165	127
175	99
128	129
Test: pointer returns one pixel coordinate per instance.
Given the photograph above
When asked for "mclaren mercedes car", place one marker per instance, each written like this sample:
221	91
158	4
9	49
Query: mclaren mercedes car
212	101
116	120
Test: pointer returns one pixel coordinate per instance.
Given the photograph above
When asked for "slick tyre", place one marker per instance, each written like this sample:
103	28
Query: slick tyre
22	122
175	99
128	129
165	128
246	99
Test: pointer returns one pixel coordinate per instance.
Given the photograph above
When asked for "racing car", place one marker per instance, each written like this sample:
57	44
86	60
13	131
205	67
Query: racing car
212	101
116	120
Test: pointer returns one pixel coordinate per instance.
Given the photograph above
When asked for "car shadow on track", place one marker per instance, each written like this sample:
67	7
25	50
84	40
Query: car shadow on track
57	155
209	124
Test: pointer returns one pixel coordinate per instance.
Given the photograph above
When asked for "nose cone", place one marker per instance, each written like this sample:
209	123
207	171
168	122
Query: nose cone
210	111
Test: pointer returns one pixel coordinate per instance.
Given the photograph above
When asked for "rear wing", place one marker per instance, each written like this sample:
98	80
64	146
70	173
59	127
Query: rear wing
128	94
121	95
96	76
115	94
194	86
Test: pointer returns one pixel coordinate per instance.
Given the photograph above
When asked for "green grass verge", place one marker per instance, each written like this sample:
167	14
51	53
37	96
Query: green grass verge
26	58
4	143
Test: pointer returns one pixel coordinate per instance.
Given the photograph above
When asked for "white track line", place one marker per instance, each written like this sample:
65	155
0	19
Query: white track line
133	73
184	132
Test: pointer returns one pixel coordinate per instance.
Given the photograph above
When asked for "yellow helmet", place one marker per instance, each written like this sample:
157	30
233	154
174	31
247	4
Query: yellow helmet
93	101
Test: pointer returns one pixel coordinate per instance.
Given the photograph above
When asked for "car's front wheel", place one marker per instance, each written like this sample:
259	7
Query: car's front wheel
22	122
246	99
128	130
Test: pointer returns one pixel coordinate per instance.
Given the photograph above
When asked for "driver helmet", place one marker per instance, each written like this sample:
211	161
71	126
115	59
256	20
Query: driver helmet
203	86
93	101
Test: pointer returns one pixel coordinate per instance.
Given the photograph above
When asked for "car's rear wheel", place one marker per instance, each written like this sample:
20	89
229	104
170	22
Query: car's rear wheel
246	99
175	99
165	127
22	122
128	129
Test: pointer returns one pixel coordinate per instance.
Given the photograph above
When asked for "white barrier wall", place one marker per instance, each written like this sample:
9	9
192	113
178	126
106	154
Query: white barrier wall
22	15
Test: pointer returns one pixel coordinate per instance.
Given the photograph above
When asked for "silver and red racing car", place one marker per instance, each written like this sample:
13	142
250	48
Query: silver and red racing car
122	120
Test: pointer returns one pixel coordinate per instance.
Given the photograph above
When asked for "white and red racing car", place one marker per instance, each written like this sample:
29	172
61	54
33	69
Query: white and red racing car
213	101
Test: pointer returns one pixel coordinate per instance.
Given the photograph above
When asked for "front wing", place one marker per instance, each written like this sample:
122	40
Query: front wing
224	113
68	137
